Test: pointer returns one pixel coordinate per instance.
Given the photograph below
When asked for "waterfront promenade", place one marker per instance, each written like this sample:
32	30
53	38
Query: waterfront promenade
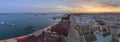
57	32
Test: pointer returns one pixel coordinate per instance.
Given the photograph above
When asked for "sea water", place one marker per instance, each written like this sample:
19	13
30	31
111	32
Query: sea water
13	25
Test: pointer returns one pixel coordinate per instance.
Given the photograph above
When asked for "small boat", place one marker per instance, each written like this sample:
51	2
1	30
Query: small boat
36	15
12	24
2	23
30	27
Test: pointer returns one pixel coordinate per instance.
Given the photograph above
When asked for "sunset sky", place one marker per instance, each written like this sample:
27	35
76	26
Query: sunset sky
58	6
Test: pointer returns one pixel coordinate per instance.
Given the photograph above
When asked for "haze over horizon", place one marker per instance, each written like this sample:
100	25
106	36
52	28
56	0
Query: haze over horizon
58	6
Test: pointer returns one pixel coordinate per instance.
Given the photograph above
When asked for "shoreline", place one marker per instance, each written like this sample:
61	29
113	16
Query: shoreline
36	33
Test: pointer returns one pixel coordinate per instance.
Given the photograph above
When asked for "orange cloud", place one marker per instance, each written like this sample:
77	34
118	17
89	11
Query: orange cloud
91	8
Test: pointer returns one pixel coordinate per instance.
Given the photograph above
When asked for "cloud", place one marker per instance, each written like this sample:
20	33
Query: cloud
106	2
92	6
109	2
55	5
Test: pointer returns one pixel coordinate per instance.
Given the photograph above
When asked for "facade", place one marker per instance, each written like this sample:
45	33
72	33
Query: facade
102	27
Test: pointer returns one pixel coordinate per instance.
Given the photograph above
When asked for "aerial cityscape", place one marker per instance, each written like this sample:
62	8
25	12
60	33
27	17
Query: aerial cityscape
59	20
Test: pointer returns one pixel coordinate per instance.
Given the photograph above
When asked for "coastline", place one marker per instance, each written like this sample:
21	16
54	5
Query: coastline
36	33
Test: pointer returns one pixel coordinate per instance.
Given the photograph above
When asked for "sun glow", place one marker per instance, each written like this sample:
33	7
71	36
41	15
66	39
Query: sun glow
91	8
